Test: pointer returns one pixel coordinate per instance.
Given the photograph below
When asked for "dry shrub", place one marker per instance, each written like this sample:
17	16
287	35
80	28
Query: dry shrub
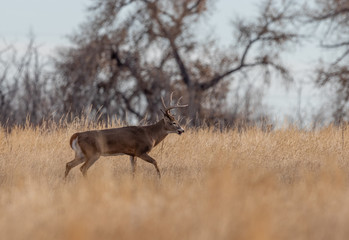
285	184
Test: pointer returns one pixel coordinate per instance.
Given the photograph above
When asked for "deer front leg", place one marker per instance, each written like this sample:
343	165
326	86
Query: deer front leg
151	160
133	160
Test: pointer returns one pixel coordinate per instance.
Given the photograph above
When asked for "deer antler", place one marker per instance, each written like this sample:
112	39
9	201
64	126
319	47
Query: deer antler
167	109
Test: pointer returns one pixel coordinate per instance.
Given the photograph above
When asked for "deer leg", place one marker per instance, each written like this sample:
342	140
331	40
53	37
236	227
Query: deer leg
151	160
133	164
77	160
88	163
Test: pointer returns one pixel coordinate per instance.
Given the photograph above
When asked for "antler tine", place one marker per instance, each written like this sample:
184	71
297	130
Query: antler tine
171	96
163	103
178	101
177	105
167	109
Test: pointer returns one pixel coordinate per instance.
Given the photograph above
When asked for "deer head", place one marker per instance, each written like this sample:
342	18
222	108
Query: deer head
171	124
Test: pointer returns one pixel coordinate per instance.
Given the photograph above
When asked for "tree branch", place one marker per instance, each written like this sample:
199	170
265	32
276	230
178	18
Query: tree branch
127	102
182	68
330	15
114	55
335	45
190	9
216	79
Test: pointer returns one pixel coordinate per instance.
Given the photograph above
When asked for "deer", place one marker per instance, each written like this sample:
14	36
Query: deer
134	141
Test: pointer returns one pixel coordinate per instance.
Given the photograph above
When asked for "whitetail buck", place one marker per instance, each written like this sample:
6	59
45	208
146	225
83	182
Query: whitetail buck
135	141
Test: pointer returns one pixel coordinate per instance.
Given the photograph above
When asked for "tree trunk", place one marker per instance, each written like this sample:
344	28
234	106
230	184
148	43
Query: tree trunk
193	107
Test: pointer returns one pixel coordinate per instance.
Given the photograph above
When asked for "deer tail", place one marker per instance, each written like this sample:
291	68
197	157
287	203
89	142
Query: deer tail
74	137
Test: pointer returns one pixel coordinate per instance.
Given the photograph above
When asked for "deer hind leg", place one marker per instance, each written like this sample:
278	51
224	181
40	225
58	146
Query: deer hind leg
133	161
151	160
76	161
88	163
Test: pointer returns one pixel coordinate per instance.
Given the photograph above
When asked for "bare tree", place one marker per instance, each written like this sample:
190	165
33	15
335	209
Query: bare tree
132	52
5	88
24	87
331	19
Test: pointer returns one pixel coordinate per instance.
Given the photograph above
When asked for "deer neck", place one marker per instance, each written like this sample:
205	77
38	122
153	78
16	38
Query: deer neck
158	132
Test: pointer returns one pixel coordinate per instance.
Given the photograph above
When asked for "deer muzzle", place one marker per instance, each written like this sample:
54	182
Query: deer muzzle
180	131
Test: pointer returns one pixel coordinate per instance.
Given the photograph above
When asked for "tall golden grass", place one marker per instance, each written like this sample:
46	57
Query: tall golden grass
285	184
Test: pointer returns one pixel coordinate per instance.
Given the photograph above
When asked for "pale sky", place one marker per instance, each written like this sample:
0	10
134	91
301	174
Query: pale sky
52	20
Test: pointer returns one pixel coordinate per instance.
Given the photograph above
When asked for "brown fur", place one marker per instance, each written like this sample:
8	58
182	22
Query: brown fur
135	141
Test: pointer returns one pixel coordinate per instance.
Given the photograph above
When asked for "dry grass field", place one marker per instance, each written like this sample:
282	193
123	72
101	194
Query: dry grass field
285	184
